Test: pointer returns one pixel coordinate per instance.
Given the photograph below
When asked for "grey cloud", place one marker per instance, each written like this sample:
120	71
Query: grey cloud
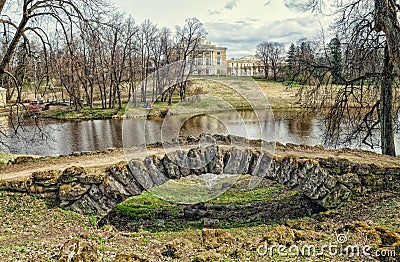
242	39
213	12
247	21
231	4
297	5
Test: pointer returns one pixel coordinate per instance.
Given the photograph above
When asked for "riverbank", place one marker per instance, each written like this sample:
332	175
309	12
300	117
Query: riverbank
278	96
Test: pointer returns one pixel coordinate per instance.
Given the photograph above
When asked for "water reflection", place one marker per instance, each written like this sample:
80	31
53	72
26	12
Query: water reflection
55	138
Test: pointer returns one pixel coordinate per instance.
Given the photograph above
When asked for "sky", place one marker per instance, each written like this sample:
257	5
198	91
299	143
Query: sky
236	24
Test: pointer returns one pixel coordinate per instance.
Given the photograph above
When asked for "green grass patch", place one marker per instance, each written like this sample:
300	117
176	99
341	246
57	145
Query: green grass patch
4	158
148	210
243	196
85	113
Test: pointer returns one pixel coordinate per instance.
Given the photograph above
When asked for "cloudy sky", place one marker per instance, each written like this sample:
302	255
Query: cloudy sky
236	24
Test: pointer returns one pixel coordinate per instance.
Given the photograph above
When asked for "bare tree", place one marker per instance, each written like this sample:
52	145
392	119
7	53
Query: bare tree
188	41
364	102
277	51
264	52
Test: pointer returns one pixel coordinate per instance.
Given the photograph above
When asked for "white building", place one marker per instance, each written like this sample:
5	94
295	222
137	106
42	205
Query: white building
245	66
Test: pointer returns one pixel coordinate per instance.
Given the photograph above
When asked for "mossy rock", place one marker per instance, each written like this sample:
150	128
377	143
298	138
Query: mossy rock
78	251
22	160
133	257
215	238
283	235
382	236
73	191
94	176
387	236
177	248
208	256
46	178
72	174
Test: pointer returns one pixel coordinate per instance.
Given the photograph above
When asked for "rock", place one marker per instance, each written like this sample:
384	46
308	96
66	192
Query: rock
139	172
121	173
177	248
351	181
215	238
261	164
71	174
216	164
95	193
336	197
76	251
313	184
86	205
132	257
157	161
210	255
156	176
73	191
114	189
198	159
92	178
46	178
238	161
287	167
211	223
172	170
190	213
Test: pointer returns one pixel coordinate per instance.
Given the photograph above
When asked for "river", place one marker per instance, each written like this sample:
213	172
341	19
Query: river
63	138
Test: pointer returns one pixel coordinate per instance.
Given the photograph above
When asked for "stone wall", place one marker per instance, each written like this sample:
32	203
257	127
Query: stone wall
328	182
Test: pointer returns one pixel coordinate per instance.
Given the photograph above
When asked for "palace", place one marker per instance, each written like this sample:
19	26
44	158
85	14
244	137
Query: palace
245	66
211	60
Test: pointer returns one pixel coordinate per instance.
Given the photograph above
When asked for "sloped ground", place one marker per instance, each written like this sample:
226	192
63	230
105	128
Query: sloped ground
145	228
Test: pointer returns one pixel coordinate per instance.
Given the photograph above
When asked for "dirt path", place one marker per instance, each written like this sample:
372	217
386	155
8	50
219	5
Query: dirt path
95	159
22	171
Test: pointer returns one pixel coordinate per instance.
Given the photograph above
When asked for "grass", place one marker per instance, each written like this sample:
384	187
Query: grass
85	113
148	209
242	196
212	95
33	232
4	158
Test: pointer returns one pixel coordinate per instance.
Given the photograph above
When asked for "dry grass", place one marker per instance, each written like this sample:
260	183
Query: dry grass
33	232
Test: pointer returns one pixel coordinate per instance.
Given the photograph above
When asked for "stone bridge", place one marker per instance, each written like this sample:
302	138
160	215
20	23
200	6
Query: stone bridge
327	181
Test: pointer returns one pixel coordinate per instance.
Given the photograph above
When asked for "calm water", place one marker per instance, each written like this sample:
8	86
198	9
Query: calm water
56	138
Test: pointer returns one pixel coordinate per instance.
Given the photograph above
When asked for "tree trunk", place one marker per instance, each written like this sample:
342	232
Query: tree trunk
13	45
386	20
2	3
386	107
